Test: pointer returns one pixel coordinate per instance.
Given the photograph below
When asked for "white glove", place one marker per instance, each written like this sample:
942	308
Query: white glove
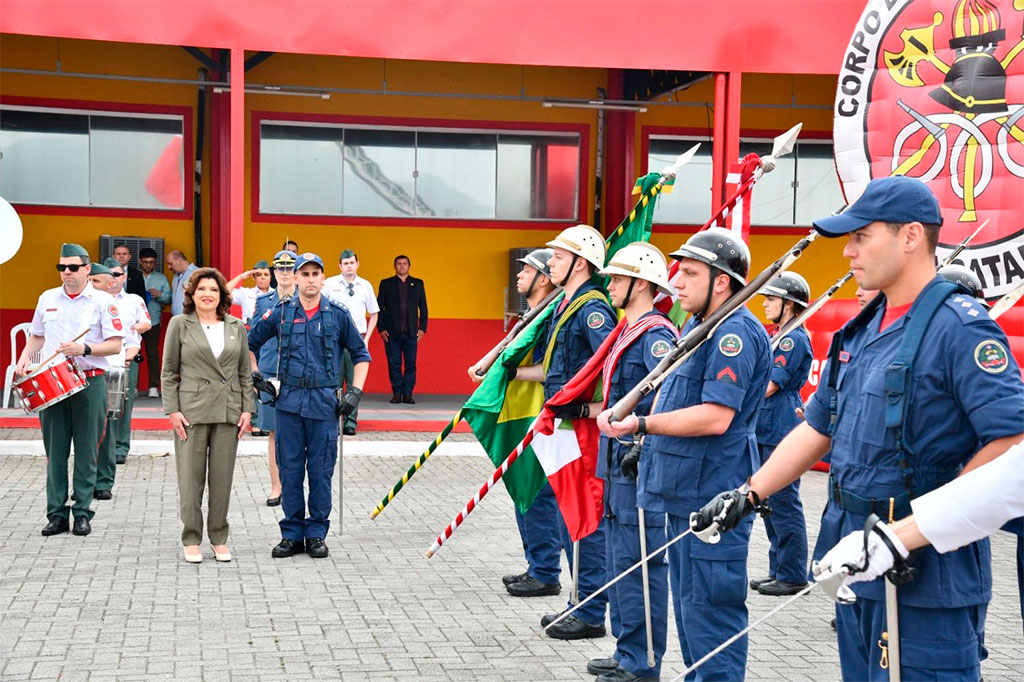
850	550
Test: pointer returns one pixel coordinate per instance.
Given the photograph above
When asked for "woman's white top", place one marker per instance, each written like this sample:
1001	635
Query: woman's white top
215	336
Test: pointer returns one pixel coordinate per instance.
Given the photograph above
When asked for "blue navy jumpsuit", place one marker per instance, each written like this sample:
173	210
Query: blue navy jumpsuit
626	598
307	424
538	526
965	392
577	341
266	359
677	475
787	530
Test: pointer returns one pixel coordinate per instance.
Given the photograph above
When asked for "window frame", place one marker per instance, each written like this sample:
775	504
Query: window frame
754	135
418	125
85	107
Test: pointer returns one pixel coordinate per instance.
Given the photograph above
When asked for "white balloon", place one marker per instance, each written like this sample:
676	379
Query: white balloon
10	231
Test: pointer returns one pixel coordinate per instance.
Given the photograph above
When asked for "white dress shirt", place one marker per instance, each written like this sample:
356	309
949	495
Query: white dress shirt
360	302
59	318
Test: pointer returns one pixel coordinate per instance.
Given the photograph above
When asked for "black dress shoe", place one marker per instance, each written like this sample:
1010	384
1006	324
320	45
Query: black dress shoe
408	400
549	618
833	623
531	587
82	526
780	588
574	628
754	584
287	547
317	548
349	430
395	399
102	495
260	433
620	674
274	501
600	666
56	525
507	580
120	459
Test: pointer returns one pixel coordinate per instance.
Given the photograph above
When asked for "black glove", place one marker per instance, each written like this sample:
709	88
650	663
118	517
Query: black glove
727	510
260	383
348	403
572	411
631	461
510	370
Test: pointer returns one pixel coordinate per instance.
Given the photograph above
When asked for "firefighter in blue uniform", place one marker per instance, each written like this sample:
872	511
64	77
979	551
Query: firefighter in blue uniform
785	297
576	330
637	272
919	388
538	526
311	332
701	438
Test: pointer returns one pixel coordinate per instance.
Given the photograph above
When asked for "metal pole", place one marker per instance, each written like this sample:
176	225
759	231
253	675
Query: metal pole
574	598
892	623
341	476
647	586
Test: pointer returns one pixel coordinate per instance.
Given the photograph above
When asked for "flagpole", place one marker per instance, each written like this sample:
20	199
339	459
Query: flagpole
669	173
417	464
484	489
574	596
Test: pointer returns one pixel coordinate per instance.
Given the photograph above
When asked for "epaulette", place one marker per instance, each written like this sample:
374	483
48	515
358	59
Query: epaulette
967	308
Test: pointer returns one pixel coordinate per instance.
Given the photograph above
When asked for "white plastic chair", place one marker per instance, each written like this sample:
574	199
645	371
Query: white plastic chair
9	372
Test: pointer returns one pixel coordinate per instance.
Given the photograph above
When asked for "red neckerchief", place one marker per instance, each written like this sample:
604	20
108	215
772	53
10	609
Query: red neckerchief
628	336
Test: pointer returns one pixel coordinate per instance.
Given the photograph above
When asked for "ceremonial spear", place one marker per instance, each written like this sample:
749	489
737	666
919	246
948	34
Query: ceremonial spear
667	174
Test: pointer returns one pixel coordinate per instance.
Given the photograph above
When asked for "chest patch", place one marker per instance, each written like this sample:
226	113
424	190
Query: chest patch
595	320
660	348
112	309
730	345
991	357
786	344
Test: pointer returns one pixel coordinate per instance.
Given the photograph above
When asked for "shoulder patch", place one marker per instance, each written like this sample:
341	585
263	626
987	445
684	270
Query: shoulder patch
991	357
660	348
786	344
730	345
595	320
112	309
267	314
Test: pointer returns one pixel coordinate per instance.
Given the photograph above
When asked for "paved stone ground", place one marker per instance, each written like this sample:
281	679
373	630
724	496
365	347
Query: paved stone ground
121	603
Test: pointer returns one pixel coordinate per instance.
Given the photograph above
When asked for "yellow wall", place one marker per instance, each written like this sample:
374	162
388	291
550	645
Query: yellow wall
466	269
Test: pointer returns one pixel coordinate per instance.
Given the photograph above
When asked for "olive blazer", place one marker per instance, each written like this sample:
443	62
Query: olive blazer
205	389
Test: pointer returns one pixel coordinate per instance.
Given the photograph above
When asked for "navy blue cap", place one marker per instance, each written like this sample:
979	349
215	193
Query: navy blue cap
308	257
283	259
896	199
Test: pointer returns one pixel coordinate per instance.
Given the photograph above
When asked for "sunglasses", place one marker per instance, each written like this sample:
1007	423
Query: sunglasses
117	274
61	267
351	288
286	268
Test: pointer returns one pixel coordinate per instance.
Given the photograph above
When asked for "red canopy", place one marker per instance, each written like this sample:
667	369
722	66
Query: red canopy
766	36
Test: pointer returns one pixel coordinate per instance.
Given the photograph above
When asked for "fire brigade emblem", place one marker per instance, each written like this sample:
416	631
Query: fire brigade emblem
934	90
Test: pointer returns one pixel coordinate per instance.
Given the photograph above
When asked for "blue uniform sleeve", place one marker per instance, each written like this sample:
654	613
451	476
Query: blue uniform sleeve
598	322
987	383
730	367
658	342
790	360
263	327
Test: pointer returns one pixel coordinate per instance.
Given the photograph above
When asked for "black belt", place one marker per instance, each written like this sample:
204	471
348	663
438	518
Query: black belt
309	382
886	508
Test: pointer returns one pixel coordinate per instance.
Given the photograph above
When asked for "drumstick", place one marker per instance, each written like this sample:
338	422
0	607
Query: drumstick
55	354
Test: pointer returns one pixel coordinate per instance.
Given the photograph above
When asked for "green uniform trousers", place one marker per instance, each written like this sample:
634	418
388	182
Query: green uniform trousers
124	424
209	452
110	446
80	419
347	375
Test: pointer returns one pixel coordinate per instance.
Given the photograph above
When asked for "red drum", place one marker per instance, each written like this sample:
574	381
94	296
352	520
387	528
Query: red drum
49	385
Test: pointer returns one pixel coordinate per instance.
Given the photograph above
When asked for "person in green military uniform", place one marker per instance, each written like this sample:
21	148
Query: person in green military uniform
134	318
61	315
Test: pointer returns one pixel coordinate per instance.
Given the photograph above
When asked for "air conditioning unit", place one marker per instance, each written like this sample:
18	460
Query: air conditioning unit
134	244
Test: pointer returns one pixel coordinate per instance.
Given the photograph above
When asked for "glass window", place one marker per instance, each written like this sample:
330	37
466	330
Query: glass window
424	173
455	175
772	198
300	169
817	185
689	202
87	159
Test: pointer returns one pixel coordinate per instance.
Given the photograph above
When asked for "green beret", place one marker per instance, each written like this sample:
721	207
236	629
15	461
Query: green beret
261	265
347	253
100	269
71	250
111	263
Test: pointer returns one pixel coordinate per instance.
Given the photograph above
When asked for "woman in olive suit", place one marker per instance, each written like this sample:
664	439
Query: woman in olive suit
207	393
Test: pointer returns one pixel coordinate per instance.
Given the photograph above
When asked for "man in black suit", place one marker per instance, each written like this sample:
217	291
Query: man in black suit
402	323
135	284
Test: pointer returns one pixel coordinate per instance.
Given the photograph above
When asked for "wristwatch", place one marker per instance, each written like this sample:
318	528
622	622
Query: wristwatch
86	349
641	426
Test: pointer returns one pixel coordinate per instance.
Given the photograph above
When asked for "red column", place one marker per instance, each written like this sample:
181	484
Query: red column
235	237
718	144
219	158
732	125
620	158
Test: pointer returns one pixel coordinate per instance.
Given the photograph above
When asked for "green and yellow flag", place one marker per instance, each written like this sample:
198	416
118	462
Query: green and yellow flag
500	412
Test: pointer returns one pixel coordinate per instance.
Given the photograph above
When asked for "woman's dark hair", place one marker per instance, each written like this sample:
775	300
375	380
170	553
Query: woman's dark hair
225	296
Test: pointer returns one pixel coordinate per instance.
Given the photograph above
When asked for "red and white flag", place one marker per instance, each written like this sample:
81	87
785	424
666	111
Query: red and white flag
567	449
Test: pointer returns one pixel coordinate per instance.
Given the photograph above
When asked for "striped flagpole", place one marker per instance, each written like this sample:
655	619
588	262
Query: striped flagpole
484	489
416	465
645	198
